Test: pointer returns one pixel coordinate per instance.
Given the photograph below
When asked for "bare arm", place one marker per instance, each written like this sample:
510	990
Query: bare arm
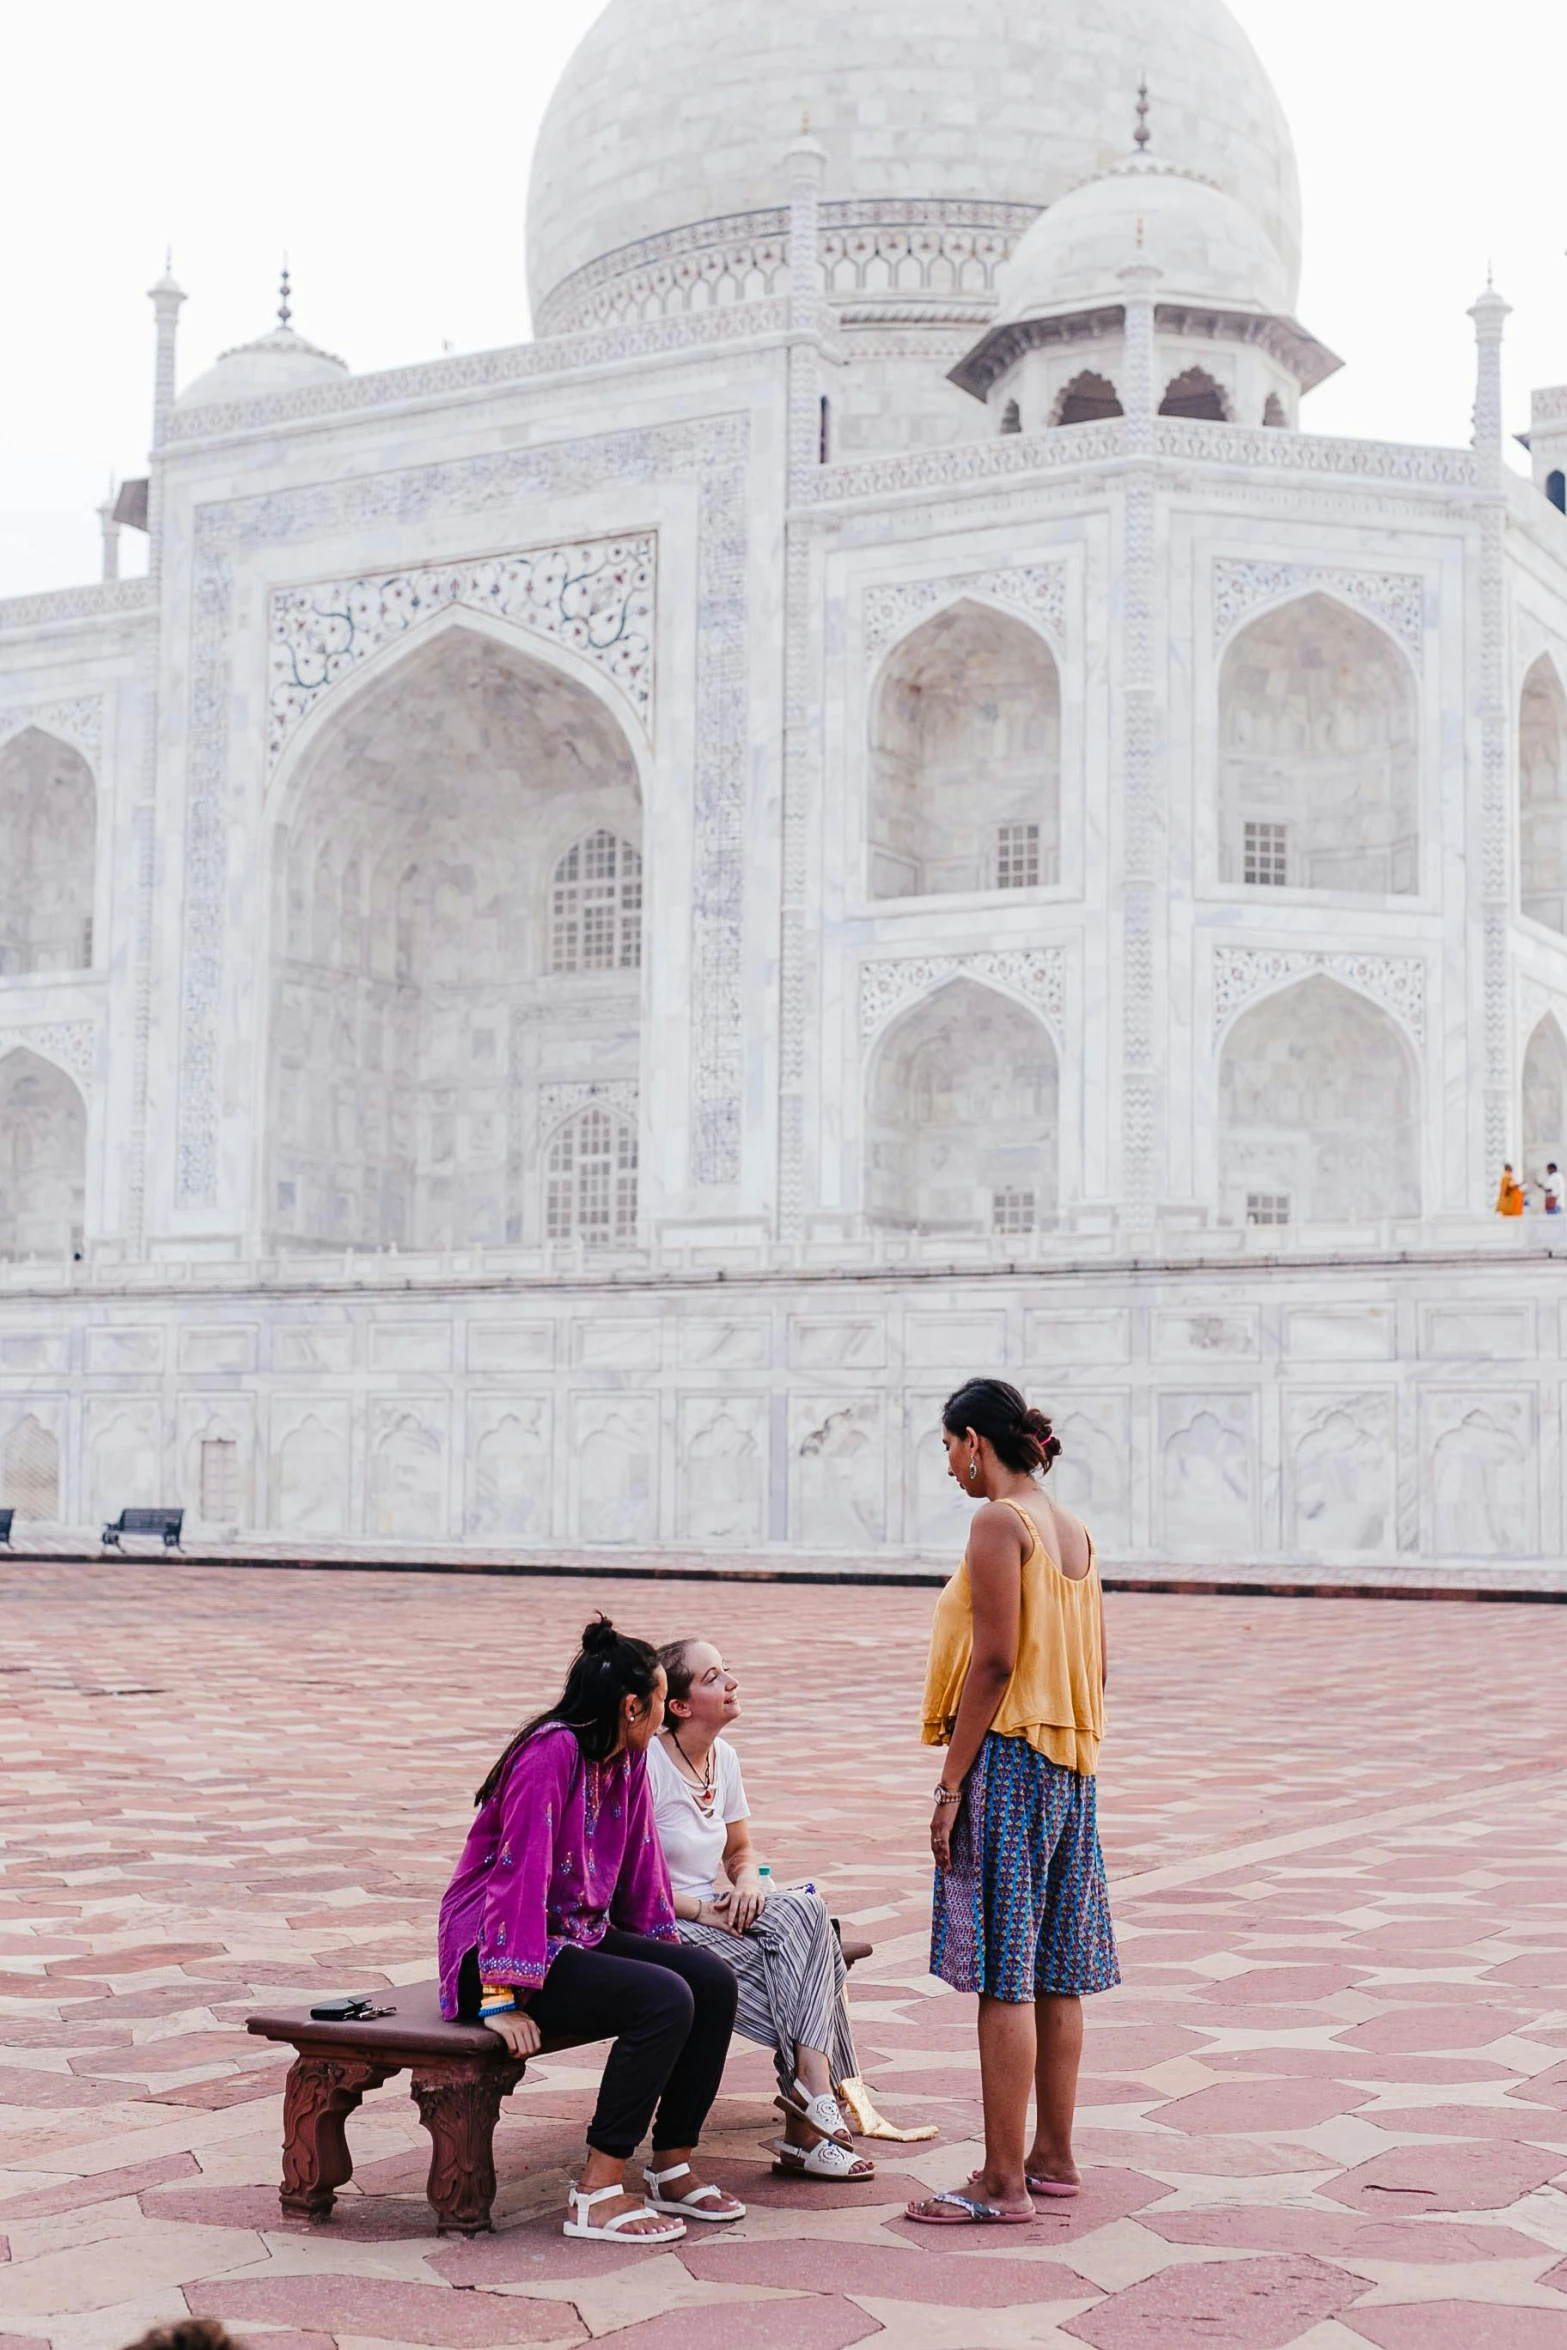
995	1560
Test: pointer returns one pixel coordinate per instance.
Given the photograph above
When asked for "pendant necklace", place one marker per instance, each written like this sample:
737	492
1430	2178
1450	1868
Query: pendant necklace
703	1787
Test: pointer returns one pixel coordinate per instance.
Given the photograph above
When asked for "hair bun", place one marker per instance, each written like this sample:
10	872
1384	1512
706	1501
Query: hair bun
598	1636
1035	1423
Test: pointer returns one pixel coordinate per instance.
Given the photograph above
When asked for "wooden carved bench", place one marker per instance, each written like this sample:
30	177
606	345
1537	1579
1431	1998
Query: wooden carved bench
458	2074
164	1523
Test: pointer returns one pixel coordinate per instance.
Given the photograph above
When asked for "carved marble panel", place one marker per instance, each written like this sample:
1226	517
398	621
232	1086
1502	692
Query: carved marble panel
1483	1333
1482	1487
615	1452
1207	1474
313	1346
1092	1474
308	1464
222	1347
407	1462
616	1345
511	1346
118	1348
838	1465
1205	1333
510	1482
1036	590
1341	1472
1036	975
1396	982
710	1344
837	1342
972	1346
722	1469
411	1346
1059	1338
1341	1334
1394	599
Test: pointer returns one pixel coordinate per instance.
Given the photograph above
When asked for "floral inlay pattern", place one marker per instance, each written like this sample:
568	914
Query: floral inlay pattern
595	597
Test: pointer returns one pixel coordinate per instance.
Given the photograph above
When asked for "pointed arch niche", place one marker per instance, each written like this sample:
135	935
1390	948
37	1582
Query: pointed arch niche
962	1123
48	830
1318	754
1318	1111
966	758
425	981
43	1158
1544	1122
1542	796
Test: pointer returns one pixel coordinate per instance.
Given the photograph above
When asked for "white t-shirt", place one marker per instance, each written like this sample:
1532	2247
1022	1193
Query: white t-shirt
694	1840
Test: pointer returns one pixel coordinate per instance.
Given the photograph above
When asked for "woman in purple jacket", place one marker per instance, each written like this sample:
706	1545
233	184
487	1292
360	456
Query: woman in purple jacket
558	1920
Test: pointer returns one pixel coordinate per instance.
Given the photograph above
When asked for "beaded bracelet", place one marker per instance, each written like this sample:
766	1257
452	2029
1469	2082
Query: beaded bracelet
496	2000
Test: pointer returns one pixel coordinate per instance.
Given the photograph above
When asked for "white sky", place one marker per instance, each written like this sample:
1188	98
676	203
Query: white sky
385	147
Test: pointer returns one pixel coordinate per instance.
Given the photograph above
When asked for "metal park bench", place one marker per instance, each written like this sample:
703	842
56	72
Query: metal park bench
164	1523
6	1517
458	2074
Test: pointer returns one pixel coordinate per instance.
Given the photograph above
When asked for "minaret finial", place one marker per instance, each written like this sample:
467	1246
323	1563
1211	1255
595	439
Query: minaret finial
805	122
1142	134
284	313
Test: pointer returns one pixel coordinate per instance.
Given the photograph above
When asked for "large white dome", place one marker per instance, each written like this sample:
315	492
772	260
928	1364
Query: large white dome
678	111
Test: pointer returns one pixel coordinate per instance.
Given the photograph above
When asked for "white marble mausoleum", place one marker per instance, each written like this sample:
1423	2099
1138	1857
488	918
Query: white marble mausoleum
615	915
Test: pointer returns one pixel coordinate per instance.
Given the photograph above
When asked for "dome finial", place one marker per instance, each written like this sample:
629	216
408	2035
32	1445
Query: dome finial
1142	134
284	313
805	122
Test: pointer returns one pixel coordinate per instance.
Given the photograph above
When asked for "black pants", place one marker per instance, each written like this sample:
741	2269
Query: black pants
670	2011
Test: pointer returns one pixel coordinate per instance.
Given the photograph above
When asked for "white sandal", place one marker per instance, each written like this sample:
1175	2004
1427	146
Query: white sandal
829	2158
823	2112
581	2201
689	2206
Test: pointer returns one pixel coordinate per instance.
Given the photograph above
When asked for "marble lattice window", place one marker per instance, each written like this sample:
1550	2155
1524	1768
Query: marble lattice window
591	1181
596	906
1267	1207
1017	856
1012	1211
1265	858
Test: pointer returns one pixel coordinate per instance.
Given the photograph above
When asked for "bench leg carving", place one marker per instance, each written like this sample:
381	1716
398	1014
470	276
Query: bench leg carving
458	2105
321	2093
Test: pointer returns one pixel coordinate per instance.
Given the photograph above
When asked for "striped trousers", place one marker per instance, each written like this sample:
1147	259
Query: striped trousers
793	1983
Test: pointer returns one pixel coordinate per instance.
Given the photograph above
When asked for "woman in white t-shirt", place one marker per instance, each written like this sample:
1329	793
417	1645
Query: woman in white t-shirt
780	1944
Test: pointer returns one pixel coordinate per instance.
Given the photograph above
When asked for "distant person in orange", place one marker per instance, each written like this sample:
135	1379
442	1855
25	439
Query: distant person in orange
1509	1200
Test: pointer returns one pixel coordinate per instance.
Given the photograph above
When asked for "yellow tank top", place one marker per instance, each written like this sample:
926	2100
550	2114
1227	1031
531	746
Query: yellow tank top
1055	1698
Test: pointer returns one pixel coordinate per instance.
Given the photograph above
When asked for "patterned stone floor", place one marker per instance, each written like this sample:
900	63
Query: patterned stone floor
1328	2109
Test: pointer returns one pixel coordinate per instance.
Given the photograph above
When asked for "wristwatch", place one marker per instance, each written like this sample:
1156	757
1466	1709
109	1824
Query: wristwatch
948	1794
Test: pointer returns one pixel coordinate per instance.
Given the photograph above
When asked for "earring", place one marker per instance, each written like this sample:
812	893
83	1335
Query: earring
973	1471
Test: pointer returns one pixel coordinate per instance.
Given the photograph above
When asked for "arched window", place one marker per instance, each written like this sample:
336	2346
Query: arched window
591	1181
965	758
1544	1099
1011	418
1317	777
48	823
418	881
962	1117
1556	490
1194	394
30	1470
1273	410
1317	1112
1086	399
1542	796
596	906
43	1159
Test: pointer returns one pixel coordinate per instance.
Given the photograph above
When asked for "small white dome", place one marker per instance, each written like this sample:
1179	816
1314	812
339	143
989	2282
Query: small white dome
275	362
1206	246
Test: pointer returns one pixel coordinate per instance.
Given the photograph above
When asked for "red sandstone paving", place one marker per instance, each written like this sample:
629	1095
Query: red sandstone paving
254	1825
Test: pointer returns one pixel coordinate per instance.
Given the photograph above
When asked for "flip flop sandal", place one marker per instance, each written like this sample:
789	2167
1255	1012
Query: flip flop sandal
688	2206
827	2159
1038	2185
966	2211
823	2112
577	2223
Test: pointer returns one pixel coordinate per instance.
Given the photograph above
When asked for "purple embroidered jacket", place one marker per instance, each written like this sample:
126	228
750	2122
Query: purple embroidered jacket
562	1849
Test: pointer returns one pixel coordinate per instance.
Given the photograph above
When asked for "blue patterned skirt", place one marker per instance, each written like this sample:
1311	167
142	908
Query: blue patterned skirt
1023	1907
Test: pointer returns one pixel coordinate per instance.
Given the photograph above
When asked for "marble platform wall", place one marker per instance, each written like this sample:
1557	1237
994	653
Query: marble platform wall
1405	1412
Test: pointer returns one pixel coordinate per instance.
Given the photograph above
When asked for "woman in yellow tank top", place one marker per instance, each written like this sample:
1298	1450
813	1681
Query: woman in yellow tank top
1015	1692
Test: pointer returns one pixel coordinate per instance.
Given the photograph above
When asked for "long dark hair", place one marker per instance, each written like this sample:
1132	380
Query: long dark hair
1023	1438
608	1667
